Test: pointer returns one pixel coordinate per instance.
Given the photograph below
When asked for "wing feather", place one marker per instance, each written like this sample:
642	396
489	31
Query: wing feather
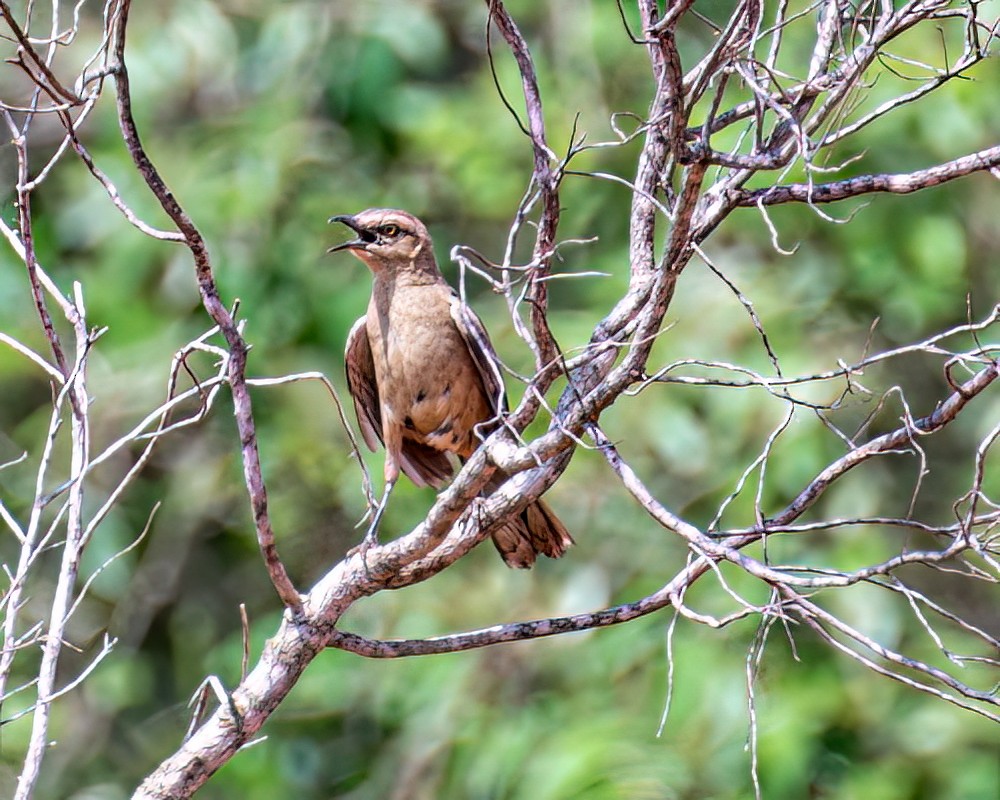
481	349
361	384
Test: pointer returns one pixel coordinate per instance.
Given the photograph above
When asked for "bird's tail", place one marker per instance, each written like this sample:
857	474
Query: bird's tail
534	531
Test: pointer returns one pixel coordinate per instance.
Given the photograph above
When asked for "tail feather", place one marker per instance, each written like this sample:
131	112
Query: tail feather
536	530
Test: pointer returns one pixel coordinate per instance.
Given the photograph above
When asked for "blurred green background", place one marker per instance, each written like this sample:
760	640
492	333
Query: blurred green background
265	119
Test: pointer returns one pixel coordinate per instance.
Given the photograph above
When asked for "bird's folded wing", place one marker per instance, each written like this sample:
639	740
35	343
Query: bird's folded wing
361	384
481	349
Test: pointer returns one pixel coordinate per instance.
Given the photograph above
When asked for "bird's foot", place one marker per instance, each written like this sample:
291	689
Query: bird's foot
371	535
367	543
199	701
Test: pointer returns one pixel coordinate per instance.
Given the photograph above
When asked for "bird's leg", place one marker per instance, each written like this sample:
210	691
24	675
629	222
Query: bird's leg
371	535
394	444
393	448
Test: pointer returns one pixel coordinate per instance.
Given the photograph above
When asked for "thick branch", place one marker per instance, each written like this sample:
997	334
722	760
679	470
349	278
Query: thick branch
520	631
215	308
902	183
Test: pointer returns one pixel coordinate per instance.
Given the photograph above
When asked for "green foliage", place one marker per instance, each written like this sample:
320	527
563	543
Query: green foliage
265	119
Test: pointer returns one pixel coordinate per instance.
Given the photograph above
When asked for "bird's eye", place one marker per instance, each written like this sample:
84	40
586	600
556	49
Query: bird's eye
389	230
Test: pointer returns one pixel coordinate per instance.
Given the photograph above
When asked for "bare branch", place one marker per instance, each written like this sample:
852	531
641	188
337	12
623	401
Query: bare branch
902	183
946	412
543	175
216	309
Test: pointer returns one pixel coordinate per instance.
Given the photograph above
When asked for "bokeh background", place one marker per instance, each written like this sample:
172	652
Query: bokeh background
267	118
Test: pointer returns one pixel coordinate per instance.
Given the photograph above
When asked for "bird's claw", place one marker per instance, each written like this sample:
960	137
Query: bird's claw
369	541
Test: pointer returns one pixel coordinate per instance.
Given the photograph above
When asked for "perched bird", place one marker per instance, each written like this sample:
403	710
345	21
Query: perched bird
424	376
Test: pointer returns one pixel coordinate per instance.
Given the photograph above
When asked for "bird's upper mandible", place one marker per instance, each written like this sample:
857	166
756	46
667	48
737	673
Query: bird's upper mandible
387	239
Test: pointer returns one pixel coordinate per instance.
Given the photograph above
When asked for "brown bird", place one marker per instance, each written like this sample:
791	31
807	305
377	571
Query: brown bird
424	376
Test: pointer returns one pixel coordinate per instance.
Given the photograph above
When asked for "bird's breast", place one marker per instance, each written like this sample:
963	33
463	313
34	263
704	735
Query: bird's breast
428	384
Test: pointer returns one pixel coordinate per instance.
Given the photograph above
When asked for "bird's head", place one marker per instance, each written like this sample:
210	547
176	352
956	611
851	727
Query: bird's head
386	239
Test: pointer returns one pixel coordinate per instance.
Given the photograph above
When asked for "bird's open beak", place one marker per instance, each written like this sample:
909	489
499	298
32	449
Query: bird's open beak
363	239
